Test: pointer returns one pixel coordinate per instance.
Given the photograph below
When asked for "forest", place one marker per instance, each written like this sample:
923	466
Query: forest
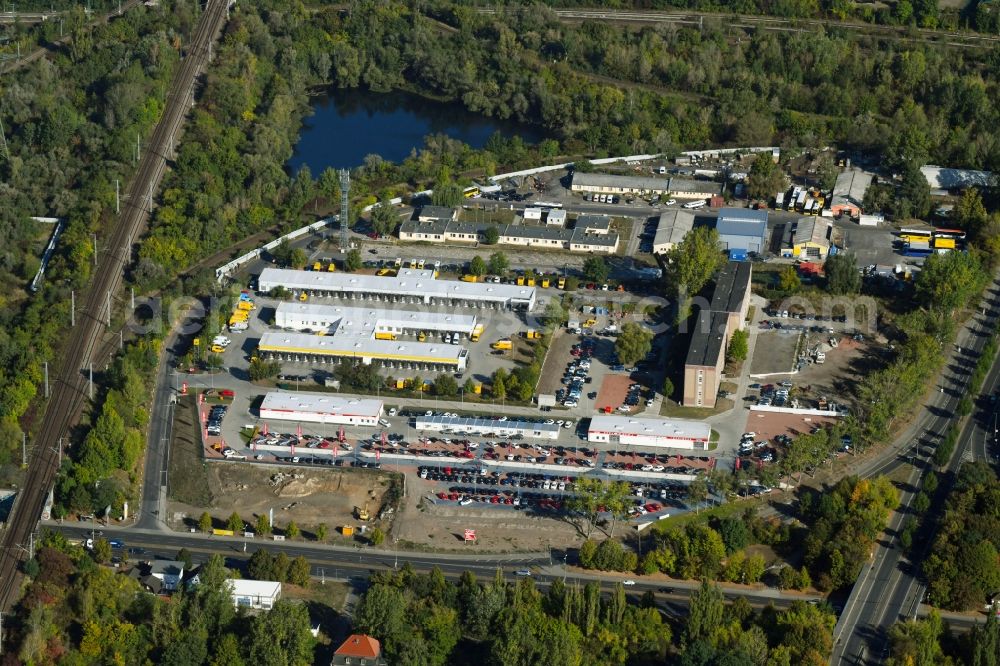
426	619
77	612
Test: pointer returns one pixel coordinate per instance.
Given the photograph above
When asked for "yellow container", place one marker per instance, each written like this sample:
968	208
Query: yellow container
332	267
385	335
477	389
545	283
347	530
317	266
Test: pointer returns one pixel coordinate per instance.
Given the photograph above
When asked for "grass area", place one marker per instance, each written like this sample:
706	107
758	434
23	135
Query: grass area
675	410
726	510
188	478
330	593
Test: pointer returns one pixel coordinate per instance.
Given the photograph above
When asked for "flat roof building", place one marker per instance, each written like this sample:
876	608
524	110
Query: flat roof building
256	594
339	320
485	426
552	234
303	347
742	229
320	408
408	286
631	430
943	180
849	192
714	327
671	229
684	188
556	217
610	184
428	213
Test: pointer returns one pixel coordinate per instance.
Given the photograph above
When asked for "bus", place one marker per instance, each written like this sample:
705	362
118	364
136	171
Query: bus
956	234
471	192
698	203
549	204
914	235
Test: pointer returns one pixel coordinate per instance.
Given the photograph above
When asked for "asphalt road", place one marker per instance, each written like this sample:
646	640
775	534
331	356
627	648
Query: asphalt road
890	589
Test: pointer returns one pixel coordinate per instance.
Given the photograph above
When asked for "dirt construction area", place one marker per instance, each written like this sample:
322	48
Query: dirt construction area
307	496
768	425
774	353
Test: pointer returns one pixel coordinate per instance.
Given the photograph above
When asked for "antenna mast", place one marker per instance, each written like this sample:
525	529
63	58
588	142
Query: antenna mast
345	189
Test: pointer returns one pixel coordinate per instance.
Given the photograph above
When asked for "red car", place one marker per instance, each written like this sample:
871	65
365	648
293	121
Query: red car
443	496
652	507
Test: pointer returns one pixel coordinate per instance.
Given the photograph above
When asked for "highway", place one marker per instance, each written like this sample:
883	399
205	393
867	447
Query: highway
889	588
82	348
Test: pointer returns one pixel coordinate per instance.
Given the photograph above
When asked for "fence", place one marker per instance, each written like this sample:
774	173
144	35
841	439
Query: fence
226	269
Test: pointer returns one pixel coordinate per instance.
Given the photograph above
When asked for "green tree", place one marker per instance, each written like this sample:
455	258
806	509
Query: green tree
447	194
842	274
766	178
498	264
697	491
321	532
469	386
235	523
445	386
917	641
738	345
691	263
227	652
827	172
633	344
263	525
970	213
352	262
788	279
184	555
292	531
949	281
282	636
914	198
477	266
499	388
491	236
101	552
377	536
596	269
705	613
668	387
298	571
261	369
261	565
205	522
384	218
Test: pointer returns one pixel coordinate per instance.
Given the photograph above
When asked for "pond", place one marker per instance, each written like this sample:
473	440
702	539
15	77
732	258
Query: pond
348	124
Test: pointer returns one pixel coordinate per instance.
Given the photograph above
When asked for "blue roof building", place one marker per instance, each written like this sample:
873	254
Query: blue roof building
742	229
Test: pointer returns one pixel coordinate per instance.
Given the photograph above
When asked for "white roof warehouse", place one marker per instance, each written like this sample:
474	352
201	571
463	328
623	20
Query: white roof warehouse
285	345
368	320
408	286
672	433
320	408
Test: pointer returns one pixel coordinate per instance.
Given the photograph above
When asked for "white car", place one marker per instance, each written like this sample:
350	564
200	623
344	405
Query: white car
570	403
550	422
628	581
671	202
384	423
392	411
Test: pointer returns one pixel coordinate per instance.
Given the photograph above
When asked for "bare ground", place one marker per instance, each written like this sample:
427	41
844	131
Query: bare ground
307	496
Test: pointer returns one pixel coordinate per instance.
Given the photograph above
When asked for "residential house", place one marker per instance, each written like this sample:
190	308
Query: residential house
256	594
169	572
359	650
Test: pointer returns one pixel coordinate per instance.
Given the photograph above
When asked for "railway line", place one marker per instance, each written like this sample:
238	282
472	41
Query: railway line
955	39
84	340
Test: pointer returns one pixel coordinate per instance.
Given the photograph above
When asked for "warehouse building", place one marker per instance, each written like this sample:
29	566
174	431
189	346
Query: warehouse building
408	286
484	426
742	230
630	430
810	239
714	327
682	188
320	408
849	192
407	355
671	229
337	320
551	234
943	180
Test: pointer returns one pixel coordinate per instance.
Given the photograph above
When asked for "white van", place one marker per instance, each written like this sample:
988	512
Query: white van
691	205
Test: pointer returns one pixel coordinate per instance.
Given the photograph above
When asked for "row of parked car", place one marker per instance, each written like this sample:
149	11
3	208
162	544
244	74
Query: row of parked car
214	422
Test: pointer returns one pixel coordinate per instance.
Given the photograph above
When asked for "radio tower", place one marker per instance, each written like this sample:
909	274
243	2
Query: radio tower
345	189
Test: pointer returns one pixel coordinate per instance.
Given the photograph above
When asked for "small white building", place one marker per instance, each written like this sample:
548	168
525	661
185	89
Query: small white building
556	217
168	572
671	433
532	213
321	408
257	594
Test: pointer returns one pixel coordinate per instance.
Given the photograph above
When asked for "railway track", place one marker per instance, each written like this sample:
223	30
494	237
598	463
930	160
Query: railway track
83	347
777	24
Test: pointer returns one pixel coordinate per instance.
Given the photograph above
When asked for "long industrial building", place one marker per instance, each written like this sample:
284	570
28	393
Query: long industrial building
320	408
631	430
408	286
484	426
304	347
369	321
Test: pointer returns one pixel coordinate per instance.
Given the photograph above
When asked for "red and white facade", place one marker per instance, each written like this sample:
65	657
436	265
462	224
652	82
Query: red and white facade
320	408
630	430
